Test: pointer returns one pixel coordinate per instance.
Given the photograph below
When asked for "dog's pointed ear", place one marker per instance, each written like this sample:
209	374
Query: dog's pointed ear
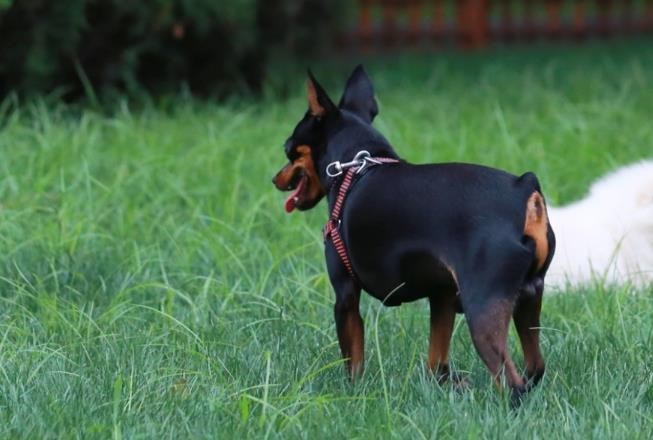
358	96
319	102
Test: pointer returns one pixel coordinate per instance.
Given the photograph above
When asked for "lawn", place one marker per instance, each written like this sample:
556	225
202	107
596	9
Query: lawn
152	286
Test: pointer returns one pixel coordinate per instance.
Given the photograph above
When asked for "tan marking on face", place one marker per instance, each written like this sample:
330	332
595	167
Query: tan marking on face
313	103
536	226
284	176
303	150
313	189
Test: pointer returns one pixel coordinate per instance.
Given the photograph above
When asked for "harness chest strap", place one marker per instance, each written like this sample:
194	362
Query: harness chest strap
332	228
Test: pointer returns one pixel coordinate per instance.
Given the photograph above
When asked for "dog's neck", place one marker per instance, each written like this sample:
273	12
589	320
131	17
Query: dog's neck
376	149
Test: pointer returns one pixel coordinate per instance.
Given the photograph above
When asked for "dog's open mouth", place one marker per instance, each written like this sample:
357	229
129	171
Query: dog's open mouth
297	196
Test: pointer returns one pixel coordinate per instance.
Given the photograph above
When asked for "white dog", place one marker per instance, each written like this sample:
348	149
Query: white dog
608	235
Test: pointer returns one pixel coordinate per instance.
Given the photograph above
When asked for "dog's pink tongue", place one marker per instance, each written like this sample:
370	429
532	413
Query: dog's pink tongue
291	201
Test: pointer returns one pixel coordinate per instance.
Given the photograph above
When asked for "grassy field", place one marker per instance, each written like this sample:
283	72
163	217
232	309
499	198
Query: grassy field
151	285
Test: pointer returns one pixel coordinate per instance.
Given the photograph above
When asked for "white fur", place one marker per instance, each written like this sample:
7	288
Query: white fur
608	235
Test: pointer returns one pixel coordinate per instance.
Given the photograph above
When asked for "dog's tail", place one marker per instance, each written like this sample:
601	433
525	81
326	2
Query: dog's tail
607	236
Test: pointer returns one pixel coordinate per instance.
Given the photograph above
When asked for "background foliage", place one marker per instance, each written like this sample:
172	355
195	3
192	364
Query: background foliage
213	47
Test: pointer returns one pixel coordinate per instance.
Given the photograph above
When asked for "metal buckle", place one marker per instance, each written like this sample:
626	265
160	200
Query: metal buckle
360	160
337	165
367	160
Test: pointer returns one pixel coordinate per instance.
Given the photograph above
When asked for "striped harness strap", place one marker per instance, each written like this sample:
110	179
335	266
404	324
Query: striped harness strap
332	228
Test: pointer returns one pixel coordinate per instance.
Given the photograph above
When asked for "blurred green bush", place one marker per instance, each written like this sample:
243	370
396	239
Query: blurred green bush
214	47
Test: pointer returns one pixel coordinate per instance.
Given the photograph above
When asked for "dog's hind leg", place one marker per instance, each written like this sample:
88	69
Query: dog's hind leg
527	323
488	298
488	322
527	315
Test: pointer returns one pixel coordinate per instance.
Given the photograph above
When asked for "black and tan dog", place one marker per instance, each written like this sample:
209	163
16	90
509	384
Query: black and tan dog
471	239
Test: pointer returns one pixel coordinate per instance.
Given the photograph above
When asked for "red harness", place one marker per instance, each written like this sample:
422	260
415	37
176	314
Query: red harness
331	229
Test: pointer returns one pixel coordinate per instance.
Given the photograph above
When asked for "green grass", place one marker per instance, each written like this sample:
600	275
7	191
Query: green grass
151	285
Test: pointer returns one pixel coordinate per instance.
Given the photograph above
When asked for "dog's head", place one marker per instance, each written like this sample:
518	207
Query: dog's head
326	132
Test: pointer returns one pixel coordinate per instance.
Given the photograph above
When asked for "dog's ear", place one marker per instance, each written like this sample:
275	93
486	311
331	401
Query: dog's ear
319	102
358	96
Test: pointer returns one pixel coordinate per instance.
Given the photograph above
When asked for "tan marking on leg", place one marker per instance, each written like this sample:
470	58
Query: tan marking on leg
527	322
351	335
536	226
356	337
443	315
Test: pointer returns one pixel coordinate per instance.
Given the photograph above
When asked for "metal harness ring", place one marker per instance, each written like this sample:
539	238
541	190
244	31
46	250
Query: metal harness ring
360	160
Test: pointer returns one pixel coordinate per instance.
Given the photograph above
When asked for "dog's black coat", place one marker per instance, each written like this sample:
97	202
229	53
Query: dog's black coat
453	233
408	223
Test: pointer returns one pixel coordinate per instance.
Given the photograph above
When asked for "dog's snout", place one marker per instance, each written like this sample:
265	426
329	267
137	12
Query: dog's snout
282	179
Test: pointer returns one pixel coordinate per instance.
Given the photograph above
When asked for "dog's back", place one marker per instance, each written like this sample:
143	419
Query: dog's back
467	215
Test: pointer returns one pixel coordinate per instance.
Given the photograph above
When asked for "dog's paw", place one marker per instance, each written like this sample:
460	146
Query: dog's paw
458	380
531	380
517	395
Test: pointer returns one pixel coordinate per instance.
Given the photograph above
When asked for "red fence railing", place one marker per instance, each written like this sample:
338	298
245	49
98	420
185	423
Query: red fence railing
477	23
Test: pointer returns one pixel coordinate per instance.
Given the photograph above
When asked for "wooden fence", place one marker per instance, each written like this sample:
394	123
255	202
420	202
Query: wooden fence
477	23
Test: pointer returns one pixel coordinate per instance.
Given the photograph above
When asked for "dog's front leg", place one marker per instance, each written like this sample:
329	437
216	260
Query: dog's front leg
351	334
443	316
349	324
